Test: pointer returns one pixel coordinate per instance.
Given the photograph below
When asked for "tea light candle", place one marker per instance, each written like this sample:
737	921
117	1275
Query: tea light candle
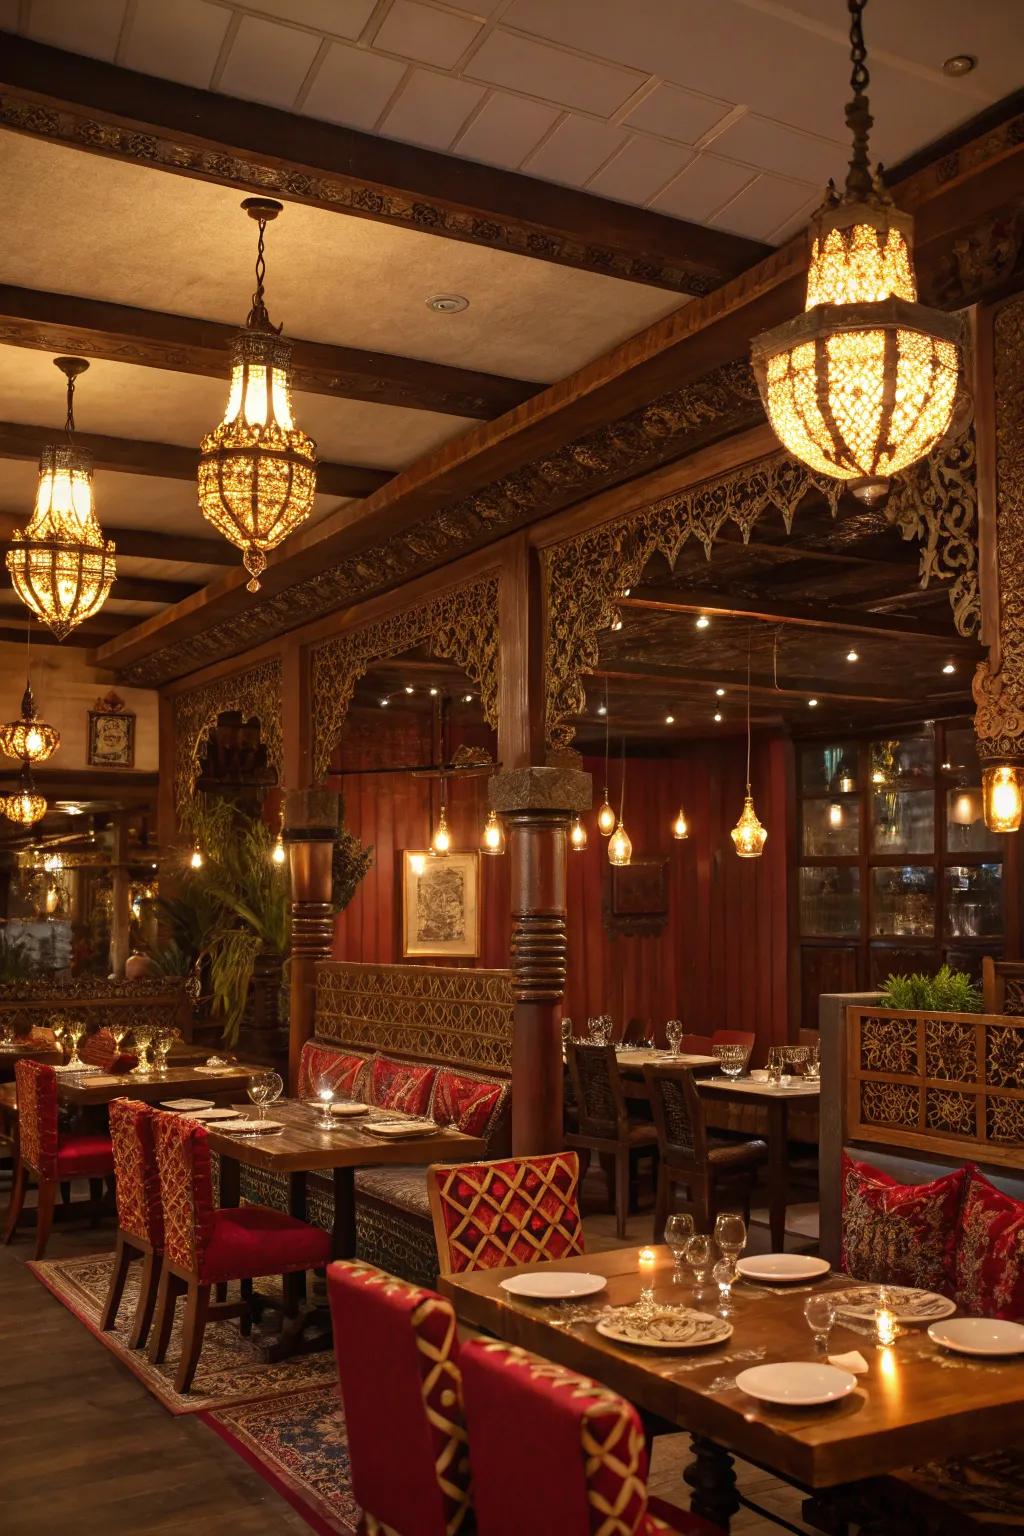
885	1327
646	1259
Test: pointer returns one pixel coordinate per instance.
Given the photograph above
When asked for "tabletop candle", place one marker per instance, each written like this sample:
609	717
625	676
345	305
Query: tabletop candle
885	1326
646	1258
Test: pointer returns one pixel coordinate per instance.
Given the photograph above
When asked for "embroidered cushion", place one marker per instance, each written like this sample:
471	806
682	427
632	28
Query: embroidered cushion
401	1085
990	1252
344	1070
85	1157
403	1188
467	1102
252	1240
507	1211
903	1234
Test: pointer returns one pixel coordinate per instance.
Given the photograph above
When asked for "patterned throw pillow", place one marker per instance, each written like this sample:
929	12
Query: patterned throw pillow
465	1101
401	1085
990	1252
319	1063
902	1234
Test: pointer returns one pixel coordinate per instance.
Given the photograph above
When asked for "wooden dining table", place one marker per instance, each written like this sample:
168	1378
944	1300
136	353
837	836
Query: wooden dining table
632	1060
914	1402
182	1080
776	1102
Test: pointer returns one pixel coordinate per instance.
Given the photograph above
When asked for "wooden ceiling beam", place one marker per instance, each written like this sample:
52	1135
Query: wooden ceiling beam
156	123
139	544
645	675
806	615
170	461
62	323
128	589
90	633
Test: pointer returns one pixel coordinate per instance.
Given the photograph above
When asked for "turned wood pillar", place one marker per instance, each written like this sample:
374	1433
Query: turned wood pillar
536	805
309	832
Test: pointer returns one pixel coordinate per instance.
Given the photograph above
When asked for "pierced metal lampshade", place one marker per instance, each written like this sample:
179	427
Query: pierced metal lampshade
29	739
26	805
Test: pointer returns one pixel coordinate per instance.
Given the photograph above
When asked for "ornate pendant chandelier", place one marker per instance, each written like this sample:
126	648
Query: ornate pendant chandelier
748	835
257	470
28	738
863	383
61	566
26	806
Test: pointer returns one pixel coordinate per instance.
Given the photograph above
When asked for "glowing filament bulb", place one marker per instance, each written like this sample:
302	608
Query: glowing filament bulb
836	815
196	860
277	853
494	835
620	849
680	827
441	842
577	835
606	817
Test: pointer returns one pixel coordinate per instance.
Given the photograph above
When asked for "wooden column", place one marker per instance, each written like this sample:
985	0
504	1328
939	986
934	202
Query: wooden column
121	907
310	829
536	805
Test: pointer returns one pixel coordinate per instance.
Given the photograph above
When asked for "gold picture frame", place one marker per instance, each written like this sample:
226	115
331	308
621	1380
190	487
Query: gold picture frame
111	735
440	905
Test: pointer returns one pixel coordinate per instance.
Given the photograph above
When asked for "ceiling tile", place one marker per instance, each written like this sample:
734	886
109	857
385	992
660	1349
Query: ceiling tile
640	170
798	222
267	62
93	29
431	37
565	78
353	86
677	114
773	147
431	109
475	7
705	184
762	207
575	151
341	18
505	130
181	44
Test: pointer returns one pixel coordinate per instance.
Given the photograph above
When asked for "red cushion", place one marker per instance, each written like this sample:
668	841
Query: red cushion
254	1240
903	1234
86	1157
342	1069
401	1085
465	1101
662	1516
990	1252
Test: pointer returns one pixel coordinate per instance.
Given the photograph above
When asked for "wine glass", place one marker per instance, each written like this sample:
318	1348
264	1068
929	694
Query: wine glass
264	1088
820	1313
143	1041
119	1032
699	1256
731	1058
812	1066
674	1035
325	1097
75	1031
723	1275
59	1029
730	1235
774	1065
678	1231
163	1039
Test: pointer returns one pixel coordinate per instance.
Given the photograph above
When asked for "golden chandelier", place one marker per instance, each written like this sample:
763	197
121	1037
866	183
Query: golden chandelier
61	565
26	806
863	383
257	470
29	738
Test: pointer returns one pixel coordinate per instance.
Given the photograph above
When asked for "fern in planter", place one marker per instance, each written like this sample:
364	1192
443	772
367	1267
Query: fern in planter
947	991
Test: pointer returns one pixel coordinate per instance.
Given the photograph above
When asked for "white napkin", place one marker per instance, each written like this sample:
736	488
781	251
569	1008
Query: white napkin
853	1362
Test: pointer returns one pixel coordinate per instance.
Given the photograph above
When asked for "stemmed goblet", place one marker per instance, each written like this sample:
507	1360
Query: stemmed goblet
264	1088
678	1231
325	1093
143	1042
674	1035
59	1029
820	1313
75	1031
699	1256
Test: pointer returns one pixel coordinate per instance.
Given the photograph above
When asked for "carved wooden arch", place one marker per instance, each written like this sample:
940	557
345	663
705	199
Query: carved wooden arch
935	501
461	625
256	691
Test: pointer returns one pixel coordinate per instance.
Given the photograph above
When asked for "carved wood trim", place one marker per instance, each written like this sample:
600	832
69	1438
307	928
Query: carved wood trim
255	691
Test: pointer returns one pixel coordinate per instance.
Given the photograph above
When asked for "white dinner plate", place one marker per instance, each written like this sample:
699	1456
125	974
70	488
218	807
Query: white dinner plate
557	1285
670	1328
397	1130
907	1304
782	1268
242	1127
215	1114
184	1105
978	1336
796	1384
346	1111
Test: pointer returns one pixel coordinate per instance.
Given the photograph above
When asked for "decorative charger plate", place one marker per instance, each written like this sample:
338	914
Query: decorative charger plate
184	1106
242	1127
782	1268
906	1304
397	1129
673	1328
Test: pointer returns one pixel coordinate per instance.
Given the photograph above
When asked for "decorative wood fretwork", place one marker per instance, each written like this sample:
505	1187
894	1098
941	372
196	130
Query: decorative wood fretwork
154	1000
255	692
436	1013
936	502
460	624
950	1084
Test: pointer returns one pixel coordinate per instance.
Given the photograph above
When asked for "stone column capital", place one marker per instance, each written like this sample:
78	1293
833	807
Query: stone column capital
560	790
310	815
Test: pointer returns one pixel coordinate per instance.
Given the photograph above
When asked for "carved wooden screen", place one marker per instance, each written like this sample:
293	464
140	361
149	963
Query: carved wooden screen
951	1084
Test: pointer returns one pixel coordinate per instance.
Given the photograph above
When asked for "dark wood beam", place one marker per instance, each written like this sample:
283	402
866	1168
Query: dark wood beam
142	545
59	322
90	633
807	615
157	123
131	589
644	675
169	461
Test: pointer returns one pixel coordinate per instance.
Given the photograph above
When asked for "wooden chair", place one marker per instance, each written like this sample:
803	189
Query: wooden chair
604	1123
636	1032
52	1158
733	1037
204	1247
397	1350
696	1045
140	1217
1002	986
556	1452
690	1158
510	1210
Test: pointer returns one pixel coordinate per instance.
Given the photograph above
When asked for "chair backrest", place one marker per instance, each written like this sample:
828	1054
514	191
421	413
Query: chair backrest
733	1037
511	1210
397	1350
98	1048
597	1087
37	1117
186	1188
678	1114
636	1032
139	1207
696	1045
552	1451
1002	985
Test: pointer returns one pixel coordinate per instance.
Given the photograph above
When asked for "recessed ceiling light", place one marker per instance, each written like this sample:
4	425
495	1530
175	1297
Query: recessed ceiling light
467	698
670	719
852	656
949	667
409	688
433	693
617	623
703	621
718	717
447	303
719	693
959	64
384	703
812	703
602	709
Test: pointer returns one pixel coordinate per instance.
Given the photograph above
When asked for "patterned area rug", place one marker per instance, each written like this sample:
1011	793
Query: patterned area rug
230	1368
298	1444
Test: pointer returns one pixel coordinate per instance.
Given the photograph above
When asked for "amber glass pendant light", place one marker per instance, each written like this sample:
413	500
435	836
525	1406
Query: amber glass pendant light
28	738
605	815
620	849
748	835
1002	794
26	806
493	840
577	835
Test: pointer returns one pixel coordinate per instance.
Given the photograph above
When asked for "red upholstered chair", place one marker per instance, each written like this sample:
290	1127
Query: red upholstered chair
695	1045
204	1247
512	1210
733	1037
555	1454
43	1152
140	1217
397	1352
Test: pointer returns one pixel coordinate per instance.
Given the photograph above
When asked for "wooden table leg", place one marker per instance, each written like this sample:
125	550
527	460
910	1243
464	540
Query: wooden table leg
778	1172
295	1284
230	1184
344	1230
713	1481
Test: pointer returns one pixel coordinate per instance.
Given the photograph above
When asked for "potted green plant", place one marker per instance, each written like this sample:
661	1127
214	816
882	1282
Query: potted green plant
948	991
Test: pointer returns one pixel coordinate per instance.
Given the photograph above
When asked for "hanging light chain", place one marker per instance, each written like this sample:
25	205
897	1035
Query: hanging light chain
858	117
259	319
748	710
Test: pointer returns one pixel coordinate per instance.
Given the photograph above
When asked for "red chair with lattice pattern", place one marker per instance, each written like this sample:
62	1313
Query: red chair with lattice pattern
204	1247
46	1154
513	1210
397	1352
556	1454
140	1217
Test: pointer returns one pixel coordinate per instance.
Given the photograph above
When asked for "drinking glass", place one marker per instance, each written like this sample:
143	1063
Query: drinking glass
812	1069
674	1035
730	1235
731	1058
75	1031
723	1274
699	1255
325	1098
266	1088
163	1039
678	1231
774	1065
119	1032
820	1313
59	1027
143	1041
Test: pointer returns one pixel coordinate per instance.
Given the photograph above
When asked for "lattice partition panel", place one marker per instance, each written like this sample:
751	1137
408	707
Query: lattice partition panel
952	1084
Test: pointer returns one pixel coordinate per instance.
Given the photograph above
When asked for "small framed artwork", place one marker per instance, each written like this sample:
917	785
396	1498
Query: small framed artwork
440	905
636	898
111	734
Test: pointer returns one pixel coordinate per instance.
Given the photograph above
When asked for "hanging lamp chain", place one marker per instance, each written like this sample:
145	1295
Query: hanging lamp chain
259	318
69	424
858	116
748	712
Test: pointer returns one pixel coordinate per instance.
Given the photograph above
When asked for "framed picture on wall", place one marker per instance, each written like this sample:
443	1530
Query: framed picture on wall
111	742
440	905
